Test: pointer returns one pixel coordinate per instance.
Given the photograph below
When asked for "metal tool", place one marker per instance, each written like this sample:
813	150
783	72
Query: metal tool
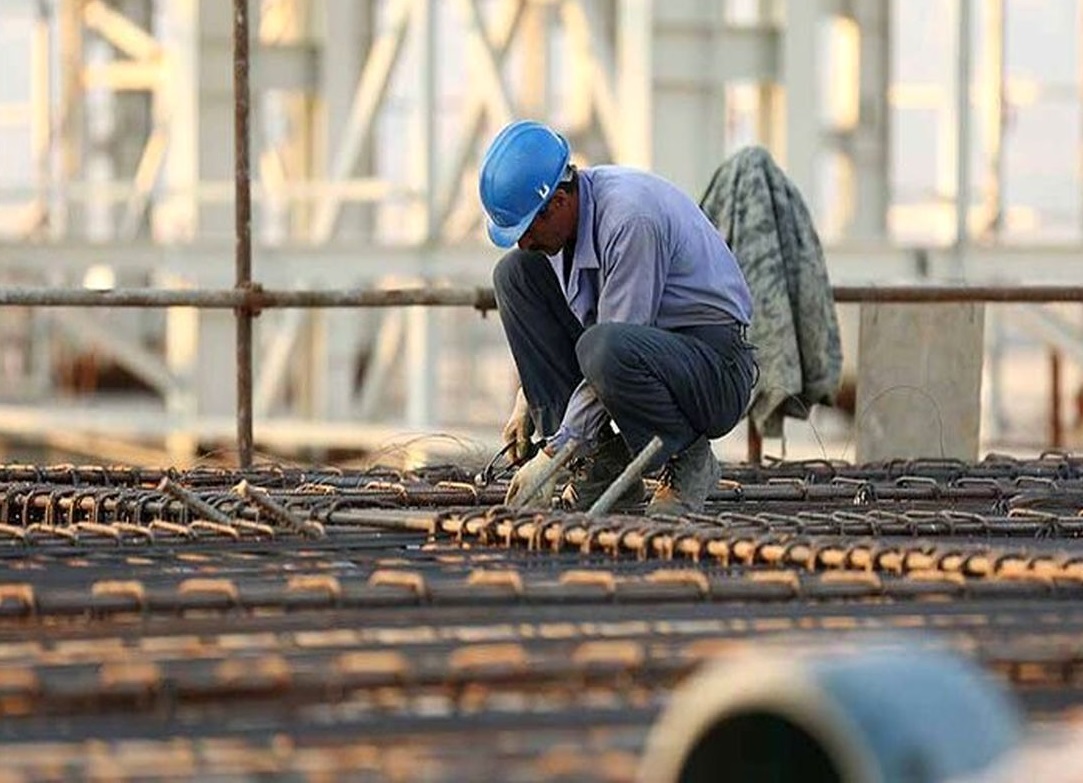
492	473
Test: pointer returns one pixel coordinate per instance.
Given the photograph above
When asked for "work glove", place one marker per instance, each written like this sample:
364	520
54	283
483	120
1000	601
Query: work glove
520	427
527	476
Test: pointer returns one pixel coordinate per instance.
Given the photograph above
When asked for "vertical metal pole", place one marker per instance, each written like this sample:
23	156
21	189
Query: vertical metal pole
801	73
73	111
962	129
243	257
755	444
771	131
994	82
871	149
421	335
42	106
1056	430
714	144
100	134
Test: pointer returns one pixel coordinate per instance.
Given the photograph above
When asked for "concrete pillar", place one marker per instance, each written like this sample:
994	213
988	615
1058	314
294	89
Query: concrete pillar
919	381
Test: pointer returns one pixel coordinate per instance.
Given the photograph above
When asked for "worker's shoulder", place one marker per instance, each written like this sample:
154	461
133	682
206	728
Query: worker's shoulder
626	193
625	179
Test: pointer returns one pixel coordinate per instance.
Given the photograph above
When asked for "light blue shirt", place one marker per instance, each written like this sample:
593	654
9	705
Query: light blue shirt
644	254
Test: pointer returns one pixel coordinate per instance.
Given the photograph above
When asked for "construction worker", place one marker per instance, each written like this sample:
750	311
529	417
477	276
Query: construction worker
621	304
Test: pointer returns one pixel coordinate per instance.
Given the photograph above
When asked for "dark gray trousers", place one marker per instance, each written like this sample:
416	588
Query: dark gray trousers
678	384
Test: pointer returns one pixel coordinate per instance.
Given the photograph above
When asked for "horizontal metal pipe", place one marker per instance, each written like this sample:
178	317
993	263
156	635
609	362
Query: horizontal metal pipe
478	298
256	300
931	294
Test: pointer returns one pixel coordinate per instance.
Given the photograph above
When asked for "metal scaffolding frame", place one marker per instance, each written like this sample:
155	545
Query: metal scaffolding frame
338	206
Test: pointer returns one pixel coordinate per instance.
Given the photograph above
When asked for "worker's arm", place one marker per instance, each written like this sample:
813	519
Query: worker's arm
633	276
583	418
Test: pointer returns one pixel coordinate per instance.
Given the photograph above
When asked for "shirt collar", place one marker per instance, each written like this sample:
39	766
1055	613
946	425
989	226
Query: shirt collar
586	255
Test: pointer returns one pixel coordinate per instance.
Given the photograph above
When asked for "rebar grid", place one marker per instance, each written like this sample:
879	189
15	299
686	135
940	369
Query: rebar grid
210	615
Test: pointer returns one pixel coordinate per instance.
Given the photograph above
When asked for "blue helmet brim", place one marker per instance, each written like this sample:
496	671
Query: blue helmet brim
508	236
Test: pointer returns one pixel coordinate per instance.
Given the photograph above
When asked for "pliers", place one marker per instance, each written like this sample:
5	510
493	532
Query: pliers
492	473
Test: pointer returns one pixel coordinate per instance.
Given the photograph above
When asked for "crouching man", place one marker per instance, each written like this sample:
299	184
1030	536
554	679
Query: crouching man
621	305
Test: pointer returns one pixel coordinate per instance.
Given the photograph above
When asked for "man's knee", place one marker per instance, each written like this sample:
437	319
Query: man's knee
510	272
602	350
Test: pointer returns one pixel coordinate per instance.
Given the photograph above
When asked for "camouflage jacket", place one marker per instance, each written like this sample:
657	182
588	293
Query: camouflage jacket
764	220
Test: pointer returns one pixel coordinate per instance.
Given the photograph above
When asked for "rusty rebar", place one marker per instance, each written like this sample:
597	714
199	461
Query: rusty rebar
631	473
243	213
560	459
201	508
279	513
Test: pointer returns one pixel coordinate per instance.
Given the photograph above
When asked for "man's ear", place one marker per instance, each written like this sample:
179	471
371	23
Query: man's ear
559	199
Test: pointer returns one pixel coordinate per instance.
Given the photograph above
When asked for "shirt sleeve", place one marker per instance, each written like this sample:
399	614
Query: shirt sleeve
634	275
583	419
634	269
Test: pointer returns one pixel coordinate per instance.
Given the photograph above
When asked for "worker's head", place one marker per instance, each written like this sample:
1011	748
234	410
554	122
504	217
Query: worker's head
528	188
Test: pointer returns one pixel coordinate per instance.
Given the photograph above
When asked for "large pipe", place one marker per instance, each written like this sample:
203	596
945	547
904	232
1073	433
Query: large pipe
885	715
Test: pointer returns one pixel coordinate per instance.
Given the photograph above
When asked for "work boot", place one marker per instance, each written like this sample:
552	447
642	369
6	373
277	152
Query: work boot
687	480
593	473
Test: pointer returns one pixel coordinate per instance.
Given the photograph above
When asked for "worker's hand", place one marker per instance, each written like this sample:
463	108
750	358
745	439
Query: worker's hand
527	476
520	427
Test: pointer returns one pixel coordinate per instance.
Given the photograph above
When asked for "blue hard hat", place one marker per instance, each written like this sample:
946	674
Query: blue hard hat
521	170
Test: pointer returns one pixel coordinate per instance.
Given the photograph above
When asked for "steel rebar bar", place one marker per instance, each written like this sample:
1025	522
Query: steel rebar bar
560	459
632	472
243	215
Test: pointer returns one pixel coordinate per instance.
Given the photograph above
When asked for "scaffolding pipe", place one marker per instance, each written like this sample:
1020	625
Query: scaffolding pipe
255	299
943	294
243	212
963	143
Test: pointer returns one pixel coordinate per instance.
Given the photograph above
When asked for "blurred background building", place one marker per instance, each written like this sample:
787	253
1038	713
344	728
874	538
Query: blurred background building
933	139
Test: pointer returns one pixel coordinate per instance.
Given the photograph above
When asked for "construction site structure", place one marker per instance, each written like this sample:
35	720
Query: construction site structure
368	117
